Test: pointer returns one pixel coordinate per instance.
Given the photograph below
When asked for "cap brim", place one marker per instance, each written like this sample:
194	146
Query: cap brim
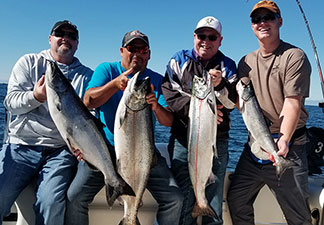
134	38
253	11
206	27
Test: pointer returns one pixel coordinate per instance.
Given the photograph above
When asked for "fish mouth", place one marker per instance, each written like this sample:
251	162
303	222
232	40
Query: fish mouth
54	77
50	72
200	88
143	84
248	92
139	90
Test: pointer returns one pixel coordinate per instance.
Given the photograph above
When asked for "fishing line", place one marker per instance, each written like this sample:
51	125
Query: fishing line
321	104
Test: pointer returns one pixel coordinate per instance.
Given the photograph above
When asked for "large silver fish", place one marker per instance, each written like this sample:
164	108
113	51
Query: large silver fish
134	143
202	134
78	128
256	124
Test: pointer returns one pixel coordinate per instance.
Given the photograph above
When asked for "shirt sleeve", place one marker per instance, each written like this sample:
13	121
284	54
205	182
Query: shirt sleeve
226	90
20	97
177	99
101	76
297	79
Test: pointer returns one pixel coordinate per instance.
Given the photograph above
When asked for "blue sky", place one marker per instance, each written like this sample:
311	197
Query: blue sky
25	26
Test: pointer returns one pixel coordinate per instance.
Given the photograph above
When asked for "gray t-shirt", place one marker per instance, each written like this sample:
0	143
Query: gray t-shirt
285	73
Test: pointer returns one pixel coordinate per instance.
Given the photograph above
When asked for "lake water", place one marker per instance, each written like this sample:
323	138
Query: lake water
238	132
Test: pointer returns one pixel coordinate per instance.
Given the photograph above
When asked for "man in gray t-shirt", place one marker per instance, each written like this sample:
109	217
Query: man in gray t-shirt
280	75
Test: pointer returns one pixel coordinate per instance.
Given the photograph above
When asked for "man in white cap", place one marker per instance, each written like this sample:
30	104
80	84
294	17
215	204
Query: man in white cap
204	57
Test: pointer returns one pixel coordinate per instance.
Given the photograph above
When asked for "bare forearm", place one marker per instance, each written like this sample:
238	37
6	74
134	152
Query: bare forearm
290	115
163	115
95	97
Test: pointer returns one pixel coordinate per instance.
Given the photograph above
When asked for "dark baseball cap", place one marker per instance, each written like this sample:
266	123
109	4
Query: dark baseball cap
132	35
65	23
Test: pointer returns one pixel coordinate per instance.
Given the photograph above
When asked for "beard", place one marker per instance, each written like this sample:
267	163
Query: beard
65	51
136	67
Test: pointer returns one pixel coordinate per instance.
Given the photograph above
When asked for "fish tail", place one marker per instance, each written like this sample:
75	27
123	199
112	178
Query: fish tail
127	190
125	222
137	221
122	222
282	165
203	211
112	193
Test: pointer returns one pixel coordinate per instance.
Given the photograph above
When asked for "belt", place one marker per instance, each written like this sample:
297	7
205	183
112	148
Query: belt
298	133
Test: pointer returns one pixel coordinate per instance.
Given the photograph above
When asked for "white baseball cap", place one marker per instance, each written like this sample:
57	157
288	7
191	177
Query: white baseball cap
210	22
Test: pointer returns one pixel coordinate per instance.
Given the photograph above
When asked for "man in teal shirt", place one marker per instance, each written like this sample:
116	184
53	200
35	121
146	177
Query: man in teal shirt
104	92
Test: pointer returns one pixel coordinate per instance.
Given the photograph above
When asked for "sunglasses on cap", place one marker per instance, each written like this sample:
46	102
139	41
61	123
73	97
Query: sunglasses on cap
264	18
71	35
202	37
133	49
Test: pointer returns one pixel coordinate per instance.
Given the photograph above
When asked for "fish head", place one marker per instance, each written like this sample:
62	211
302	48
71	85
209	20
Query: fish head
200	87
245	91
138	92
54	77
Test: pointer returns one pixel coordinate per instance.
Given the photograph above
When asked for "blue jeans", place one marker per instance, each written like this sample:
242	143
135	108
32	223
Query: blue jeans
291	191
214	191
161	184
52	167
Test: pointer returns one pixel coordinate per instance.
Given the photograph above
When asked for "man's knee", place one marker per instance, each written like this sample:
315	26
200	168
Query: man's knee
176	199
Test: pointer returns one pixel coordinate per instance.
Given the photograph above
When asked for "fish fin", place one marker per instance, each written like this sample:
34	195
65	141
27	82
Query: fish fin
268	121
69	144
154	160
128	190
141	203
120	201
58	105
109	195
211	179
283	165
98	123
123	221
212	104
215	151
205	211
122	118
72	146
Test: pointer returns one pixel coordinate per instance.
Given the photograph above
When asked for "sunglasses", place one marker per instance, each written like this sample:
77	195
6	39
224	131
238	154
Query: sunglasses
133	49
71	35
202	37
264	18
